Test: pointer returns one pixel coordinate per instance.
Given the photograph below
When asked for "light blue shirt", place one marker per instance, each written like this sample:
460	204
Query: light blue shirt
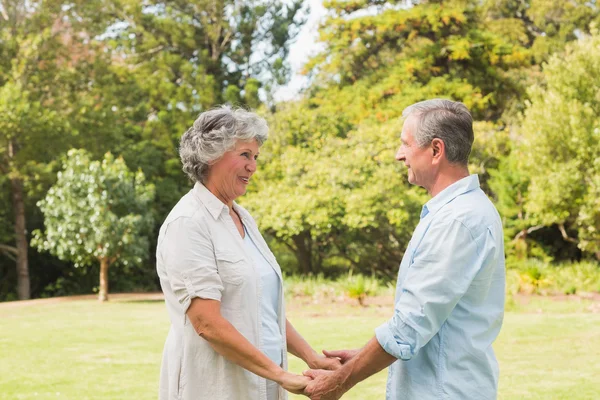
271	334
449	301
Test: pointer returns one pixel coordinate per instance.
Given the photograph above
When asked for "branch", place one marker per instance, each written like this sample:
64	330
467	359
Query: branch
9	255
527	231
3	12
565	236
9	249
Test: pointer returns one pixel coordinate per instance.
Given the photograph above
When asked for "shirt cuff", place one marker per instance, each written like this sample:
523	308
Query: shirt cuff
191	292
392	344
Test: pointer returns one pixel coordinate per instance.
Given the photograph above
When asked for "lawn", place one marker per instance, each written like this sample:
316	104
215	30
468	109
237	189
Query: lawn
85	350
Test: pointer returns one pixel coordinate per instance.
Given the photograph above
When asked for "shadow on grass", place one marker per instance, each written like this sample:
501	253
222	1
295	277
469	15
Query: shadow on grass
153	301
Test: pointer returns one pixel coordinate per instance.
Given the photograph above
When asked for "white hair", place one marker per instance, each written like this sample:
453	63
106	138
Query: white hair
213	134
447	120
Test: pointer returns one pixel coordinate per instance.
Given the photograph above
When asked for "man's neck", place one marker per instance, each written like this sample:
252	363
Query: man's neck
444	179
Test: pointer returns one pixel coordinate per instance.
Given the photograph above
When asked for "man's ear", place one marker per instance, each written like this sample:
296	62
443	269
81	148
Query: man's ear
438	147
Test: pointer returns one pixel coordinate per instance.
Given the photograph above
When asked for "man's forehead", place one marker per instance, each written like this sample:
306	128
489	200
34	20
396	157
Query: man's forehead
405	134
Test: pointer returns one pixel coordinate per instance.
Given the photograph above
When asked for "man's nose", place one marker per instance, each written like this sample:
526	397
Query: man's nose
400	154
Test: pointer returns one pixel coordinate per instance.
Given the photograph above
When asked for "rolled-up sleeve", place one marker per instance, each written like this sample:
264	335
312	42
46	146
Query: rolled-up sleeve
188	256
444	265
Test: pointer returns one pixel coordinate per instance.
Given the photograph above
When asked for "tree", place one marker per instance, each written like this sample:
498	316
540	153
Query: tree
122	76
97	212
332	191
44	60
560	145
173	59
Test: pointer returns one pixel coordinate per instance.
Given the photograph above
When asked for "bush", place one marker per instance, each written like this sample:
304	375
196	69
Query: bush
539	277
359	287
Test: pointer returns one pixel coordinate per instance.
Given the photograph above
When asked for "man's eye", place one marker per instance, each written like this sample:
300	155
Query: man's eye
246	154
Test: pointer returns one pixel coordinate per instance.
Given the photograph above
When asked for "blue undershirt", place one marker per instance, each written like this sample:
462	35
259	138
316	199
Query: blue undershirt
271	286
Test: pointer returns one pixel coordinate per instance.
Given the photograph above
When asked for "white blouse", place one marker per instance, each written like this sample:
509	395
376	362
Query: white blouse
200	253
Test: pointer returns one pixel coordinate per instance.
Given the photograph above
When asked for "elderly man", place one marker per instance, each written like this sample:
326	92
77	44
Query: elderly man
449	300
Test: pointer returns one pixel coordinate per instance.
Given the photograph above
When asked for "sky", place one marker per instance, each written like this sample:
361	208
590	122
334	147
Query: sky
300	51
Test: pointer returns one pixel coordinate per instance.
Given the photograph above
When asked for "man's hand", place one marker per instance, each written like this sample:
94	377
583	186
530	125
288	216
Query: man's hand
325	385
343	355
328	363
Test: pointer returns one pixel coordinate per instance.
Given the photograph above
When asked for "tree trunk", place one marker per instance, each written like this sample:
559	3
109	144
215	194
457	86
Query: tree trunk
103	293
23	289
303	243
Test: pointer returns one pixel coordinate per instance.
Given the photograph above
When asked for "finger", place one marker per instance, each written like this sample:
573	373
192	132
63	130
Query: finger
313	373
335	353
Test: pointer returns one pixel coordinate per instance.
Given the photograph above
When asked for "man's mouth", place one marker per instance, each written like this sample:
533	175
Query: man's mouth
245	180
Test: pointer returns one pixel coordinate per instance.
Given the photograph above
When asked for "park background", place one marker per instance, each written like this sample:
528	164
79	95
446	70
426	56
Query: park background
95	94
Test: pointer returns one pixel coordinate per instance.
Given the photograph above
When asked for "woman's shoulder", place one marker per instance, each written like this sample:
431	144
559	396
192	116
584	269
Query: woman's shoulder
187	213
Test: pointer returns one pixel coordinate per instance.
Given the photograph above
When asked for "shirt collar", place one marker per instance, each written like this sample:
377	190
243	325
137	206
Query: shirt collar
444	197
214	206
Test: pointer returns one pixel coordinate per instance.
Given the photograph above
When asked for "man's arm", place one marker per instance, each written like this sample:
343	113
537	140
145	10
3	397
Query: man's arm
332	385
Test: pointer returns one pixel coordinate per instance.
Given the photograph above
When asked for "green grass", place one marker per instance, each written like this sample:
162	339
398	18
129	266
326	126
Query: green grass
86	350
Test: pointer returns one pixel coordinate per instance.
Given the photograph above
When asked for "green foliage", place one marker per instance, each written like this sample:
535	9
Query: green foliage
542	25
560	143
129	77
320	288
359	287
539	277
125	77
96	210
330	188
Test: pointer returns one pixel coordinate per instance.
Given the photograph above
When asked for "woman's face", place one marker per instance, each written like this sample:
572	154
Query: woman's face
229	176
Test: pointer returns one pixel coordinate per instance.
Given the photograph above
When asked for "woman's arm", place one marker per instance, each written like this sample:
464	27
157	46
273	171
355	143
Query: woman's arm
206	318
301	349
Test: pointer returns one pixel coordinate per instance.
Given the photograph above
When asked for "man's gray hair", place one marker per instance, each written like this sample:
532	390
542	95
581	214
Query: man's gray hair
447	120
213	134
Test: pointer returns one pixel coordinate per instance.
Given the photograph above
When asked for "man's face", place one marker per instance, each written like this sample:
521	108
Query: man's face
417	159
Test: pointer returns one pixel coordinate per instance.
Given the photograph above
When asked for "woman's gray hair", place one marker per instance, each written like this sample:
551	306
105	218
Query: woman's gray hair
447	120
213	134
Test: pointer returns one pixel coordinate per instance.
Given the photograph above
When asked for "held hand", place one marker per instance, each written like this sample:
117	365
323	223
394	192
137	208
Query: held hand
325	385
343	355
294	383
328	363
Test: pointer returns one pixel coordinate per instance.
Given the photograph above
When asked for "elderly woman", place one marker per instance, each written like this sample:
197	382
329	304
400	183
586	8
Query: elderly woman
222	285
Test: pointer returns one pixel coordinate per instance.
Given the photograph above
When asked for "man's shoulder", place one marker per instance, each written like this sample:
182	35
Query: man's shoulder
473	209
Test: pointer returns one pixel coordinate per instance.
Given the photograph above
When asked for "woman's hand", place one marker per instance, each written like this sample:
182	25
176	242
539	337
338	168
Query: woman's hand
294	383
343	355
328	363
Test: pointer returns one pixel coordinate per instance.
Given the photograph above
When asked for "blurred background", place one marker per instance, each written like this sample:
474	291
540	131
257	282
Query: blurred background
95	94
81	79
